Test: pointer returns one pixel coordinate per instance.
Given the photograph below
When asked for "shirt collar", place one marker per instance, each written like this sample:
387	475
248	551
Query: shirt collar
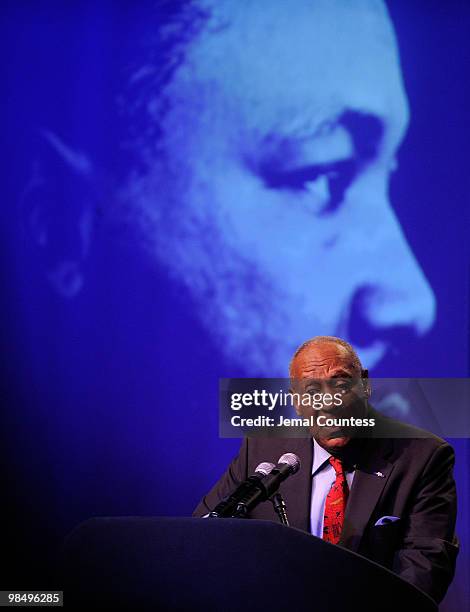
320	456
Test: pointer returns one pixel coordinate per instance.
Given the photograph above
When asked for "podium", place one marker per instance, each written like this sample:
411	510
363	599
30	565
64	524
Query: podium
193	564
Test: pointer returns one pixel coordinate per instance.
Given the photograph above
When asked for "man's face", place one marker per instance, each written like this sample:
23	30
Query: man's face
329	368
281	135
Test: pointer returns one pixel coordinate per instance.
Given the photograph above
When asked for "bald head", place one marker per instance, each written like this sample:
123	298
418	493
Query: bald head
325	357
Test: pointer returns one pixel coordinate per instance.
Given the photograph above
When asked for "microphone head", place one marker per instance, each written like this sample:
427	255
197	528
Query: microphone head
292	460
265	468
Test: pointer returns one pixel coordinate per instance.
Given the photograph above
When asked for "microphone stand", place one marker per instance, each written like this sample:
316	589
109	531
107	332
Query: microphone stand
280	508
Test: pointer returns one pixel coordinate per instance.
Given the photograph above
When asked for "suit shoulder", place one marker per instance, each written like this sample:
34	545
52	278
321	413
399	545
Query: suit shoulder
415	437
271	449
273	446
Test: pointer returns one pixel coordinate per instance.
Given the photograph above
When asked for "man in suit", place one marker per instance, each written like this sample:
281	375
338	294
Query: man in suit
389	496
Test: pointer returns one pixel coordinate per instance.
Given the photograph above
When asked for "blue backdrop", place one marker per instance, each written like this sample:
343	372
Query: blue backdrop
191	189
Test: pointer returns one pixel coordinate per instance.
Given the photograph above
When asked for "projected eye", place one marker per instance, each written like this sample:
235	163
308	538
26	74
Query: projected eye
326	184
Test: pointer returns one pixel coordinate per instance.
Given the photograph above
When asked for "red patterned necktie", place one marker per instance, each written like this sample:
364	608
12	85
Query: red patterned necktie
335	505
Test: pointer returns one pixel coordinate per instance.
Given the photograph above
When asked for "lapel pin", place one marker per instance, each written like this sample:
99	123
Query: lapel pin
379	474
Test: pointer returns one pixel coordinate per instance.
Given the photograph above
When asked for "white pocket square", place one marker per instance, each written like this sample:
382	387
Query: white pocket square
385	520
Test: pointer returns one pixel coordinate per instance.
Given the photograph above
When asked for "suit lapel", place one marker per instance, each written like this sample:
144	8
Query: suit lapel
370	477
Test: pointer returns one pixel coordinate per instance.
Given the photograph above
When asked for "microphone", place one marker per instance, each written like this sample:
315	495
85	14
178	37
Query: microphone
288	464
229	504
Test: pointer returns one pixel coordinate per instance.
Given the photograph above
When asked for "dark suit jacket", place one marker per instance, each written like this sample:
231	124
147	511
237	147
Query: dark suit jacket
417	486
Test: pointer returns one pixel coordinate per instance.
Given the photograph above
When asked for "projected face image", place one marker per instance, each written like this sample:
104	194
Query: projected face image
267	193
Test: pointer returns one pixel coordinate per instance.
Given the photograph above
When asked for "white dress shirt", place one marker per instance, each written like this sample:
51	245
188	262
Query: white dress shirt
323	477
